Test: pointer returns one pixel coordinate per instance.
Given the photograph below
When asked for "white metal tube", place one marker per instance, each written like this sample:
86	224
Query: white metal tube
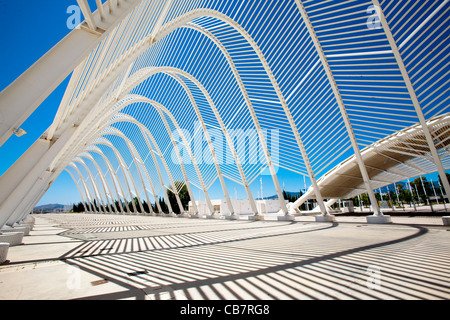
360	161
415	100
79	190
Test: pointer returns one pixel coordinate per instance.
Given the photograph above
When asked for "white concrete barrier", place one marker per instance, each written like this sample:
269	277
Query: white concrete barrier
13	238
4	246
288	217
232	217
25	229
379	219
29	218
327	218
257	217
28	223
446	221
21	224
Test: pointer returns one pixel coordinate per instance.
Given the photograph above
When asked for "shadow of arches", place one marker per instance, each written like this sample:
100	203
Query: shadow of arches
90	245
173	290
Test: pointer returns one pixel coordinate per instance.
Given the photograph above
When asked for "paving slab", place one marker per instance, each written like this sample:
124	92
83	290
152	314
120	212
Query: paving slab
80	256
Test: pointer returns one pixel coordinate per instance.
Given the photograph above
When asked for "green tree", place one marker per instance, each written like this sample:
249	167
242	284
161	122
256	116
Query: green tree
378	196
423	188
292	197
146	206
117	204
78	207
136	202
403	194
97	206
163	205
183	193
365	202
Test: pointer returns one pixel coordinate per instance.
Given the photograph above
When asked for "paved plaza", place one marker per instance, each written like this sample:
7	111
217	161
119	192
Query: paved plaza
260	122
80	256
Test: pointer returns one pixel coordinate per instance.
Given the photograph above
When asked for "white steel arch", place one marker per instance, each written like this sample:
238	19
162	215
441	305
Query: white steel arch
117	132
79	189
114	177
145	132
126	172
96	190
130	144
107	190
86	189
127	118
113	131
124	168
168	132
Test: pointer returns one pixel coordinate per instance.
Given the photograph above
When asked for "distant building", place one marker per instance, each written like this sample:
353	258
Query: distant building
241	207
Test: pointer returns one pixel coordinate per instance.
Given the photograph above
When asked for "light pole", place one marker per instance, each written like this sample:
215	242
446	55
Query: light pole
426	195
442	193
390	200
417	192
434	191
260	180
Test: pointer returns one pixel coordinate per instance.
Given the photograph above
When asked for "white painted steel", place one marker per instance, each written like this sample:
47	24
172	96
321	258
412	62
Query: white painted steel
341	90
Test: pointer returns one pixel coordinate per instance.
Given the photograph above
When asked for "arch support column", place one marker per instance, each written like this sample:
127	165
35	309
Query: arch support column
79	189
177	151
337	95
412	92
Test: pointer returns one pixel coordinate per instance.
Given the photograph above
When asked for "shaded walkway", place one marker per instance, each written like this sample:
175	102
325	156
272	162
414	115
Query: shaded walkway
211	259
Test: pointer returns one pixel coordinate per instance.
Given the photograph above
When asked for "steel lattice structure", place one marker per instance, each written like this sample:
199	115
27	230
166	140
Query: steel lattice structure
356	90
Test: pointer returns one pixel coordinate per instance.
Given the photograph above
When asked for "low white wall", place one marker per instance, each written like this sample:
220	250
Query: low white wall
3	251
241	207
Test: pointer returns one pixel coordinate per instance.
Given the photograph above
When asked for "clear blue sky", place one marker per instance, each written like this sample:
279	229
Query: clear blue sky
29	30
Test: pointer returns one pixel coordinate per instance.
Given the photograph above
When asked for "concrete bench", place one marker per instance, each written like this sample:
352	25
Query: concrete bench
25	229
13	238
24	224
446	221
29	218
4	246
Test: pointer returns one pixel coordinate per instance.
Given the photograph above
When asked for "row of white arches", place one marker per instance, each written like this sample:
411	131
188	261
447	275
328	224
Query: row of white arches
311	107
185	21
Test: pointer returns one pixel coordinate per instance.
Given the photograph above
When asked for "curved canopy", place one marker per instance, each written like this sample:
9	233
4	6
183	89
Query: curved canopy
396	158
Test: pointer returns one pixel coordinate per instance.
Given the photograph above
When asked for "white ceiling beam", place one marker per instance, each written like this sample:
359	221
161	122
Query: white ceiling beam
87	13
43	77
413	95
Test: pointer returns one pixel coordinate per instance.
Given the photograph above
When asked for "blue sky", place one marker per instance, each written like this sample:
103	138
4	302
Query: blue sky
29	31
32	28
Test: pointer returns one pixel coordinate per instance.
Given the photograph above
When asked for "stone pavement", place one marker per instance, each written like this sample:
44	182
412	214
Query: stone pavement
80	256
